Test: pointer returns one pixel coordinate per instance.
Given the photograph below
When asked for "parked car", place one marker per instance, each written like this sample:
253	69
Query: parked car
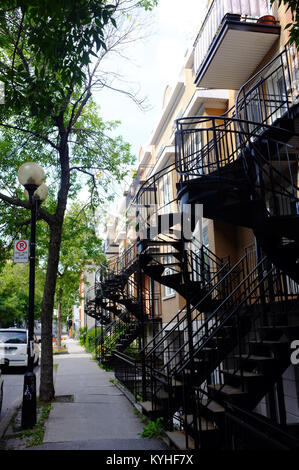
13	347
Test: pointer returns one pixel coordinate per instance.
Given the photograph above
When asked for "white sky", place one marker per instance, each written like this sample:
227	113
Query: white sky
157	62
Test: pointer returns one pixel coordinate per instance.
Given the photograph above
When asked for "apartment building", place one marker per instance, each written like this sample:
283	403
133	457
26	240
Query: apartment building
201	301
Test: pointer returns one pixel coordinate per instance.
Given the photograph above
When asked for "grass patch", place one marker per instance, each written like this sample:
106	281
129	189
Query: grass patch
60	351
30	437
142	418
35	436
153	429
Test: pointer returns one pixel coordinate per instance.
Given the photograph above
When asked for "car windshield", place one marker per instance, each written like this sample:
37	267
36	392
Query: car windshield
15	337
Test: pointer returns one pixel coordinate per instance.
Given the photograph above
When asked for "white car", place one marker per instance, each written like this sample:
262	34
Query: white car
1	389
13	347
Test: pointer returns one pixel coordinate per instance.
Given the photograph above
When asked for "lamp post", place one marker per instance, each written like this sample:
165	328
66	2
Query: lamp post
31	176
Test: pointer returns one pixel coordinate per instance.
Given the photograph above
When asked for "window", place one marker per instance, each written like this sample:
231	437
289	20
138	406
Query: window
193	151
13	337
166	193
168	271
201	264
276	95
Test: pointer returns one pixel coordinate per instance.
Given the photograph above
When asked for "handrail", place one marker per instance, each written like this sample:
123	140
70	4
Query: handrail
205	324
254	77
262	427
117	260
211	162
221	127
179	322
216	329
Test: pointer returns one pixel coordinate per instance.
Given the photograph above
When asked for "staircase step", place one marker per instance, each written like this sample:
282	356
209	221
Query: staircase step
204	424
162	395
245	374
275	346
227	390
254	358
178	439
291	331
176	382
212	405
148	407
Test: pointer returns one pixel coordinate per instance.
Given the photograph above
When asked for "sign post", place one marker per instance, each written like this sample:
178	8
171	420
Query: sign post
21	251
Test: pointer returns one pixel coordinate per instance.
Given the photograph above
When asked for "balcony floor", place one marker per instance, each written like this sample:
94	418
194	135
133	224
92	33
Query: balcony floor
235	54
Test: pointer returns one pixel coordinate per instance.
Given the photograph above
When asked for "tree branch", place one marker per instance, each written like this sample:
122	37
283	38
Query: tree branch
27	131
42	213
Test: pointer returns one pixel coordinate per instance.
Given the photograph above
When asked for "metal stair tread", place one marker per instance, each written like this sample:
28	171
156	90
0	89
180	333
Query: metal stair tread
176	382
238	373
162	395
268	341
206	425
227	389
178	438
273	327
147	406
212	405
254	357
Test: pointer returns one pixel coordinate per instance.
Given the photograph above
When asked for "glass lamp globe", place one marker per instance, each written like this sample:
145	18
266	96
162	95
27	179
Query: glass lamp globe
41	193
31	173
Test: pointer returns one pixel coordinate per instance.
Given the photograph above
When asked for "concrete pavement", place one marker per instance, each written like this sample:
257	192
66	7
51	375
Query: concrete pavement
91	413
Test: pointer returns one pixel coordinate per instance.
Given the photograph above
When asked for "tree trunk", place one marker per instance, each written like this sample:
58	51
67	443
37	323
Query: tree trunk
47	391
59	318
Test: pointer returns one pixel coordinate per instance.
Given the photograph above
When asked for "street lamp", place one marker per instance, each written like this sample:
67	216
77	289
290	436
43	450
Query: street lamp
31	176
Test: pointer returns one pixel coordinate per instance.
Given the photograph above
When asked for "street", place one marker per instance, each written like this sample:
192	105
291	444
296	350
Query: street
13	387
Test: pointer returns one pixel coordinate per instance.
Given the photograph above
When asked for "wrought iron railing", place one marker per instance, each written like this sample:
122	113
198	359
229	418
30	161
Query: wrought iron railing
129	373
251	285
270	93
156	199
245	430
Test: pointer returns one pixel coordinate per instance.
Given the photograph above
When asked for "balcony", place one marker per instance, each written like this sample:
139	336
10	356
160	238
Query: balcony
232	42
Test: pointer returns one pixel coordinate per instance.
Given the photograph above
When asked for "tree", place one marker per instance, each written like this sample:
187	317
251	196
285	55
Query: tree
292	5
49	117
80	251
14	294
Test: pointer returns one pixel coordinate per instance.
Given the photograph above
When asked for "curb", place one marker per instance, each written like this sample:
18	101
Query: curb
4	423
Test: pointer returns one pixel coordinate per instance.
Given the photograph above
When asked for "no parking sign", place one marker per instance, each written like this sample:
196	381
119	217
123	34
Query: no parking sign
21	251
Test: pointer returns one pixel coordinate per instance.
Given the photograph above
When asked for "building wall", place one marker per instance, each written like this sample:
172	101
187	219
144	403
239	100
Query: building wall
224	239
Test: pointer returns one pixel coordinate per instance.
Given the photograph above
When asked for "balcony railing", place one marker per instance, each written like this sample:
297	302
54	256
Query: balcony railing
249	10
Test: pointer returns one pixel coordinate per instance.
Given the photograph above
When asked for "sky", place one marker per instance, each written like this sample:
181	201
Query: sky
156	63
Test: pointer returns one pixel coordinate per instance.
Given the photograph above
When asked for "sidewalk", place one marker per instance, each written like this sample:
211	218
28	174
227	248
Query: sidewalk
90	412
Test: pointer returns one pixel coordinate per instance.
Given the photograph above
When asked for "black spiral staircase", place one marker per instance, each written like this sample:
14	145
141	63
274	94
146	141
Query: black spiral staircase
210	371
243	166
232	356
244	171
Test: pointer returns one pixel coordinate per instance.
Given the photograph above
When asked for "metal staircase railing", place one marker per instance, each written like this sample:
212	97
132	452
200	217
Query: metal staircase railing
117	265
172	355
116	337
224	334
212	278
271	93
154	202
247	430
209	146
